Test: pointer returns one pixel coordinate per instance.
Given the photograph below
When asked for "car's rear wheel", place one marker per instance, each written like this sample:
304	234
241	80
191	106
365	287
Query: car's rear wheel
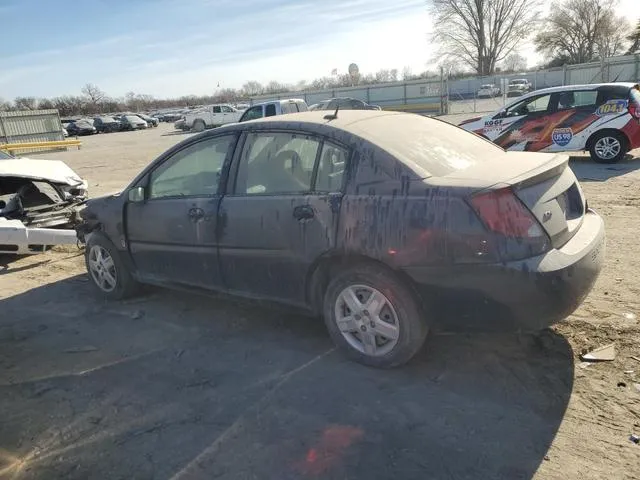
198	126
608	147
374	317
108	274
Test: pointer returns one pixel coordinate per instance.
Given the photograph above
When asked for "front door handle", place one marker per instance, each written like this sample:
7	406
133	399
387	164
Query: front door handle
303	212
196	214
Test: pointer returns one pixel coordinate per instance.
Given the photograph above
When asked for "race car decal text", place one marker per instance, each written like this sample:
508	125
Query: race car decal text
491	125
612	107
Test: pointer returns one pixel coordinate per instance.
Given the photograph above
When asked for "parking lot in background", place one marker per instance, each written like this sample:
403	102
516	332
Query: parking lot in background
174	385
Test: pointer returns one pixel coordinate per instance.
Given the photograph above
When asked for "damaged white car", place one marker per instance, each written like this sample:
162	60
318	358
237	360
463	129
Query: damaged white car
40	201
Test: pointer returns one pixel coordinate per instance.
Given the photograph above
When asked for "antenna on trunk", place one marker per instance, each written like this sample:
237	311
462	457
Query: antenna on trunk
332	116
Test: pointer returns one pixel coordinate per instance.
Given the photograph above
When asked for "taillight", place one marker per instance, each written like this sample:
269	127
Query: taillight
503	213
634	109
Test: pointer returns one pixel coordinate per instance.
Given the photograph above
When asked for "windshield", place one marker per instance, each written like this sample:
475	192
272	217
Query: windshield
4	155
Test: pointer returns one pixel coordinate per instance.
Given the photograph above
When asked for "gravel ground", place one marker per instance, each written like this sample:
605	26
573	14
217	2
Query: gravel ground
173	385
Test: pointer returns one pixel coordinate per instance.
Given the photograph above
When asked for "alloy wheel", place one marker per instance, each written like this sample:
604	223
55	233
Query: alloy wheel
367	320
608	148
102	269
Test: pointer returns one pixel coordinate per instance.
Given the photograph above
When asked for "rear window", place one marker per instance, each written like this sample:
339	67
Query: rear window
429	147
289	107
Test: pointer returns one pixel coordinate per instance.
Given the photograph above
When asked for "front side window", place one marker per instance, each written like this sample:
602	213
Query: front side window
193	171
274	163
252	113
531	105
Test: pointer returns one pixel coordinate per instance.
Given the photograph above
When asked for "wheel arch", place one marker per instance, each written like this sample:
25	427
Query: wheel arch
319	275
618	132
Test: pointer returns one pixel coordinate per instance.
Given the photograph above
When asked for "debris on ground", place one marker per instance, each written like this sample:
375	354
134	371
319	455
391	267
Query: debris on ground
636	359
137	315
635	438
606	353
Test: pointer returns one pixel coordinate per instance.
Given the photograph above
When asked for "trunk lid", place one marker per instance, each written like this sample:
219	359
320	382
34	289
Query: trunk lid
543	182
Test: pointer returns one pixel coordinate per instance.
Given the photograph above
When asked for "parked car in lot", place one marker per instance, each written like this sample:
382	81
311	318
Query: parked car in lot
344	103
181	125
106	124
370	219
271	109
40	201
211	116
81	127
151	121
488	91
519	87
603	119
132	122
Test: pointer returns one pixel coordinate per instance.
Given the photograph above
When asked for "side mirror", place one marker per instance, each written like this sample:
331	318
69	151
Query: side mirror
136	195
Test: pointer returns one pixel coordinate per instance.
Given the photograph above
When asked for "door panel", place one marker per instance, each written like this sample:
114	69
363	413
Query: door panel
524	124
172	234
174	240
274	227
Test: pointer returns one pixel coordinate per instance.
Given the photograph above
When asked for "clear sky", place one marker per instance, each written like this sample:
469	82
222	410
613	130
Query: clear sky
177	47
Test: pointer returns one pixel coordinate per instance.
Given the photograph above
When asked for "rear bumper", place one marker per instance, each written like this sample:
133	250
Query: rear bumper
530	294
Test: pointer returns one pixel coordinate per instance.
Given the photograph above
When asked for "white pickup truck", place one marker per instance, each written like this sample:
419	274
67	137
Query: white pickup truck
210	117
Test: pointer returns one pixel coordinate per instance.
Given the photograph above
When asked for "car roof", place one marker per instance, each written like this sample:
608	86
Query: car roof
590	86
280	101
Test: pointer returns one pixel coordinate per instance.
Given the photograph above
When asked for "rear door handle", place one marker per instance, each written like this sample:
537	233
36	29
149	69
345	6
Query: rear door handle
196	214
303	212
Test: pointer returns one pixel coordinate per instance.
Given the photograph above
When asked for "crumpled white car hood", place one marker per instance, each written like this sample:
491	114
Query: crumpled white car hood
54	171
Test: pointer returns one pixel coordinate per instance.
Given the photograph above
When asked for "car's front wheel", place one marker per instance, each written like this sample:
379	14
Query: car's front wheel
374	317
107	271
608	147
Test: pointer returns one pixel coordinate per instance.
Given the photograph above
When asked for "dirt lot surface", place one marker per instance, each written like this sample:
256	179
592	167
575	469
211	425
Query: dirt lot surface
173	385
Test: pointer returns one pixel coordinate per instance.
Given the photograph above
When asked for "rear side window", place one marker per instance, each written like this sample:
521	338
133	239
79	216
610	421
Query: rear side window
302	107
577	99
333	162
274	163
270	110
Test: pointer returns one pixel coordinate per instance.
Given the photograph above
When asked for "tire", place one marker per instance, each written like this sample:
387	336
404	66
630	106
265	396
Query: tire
97	251
397	306
608	147
198	126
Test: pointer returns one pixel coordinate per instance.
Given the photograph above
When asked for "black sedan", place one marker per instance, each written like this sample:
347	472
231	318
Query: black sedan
81	127
374	220
106	124
132	122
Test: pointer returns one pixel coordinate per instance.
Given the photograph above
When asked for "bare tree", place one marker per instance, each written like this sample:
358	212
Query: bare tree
26	103
93	93
4	105
276	87
582	31
481	33
252	88
514	63
634	38
407	73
